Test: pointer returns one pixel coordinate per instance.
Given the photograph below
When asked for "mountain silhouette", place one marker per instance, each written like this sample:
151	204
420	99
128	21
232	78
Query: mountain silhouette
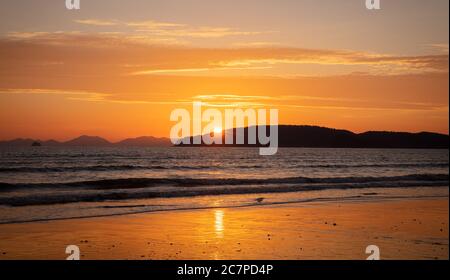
322	137
288	135
91	141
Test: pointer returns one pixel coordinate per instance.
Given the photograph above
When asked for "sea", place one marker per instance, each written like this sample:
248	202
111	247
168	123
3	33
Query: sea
53	183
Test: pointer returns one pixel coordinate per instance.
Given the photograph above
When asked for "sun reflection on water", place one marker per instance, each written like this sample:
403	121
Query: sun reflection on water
218	223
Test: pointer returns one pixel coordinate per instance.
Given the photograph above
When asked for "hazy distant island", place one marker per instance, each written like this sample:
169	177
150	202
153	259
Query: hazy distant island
90	141
289	136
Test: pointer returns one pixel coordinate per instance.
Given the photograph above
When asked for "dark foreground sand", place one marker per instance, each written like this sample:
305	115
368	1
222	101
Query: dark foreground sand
406	229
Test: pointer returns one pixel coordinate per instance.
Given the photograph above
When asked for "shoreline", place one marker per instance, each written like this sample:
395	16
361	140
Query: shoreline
402	228
305	202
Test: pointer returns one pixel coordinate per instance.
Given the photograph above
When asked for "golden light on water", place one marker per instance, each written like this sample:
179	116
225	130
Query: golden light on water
218	223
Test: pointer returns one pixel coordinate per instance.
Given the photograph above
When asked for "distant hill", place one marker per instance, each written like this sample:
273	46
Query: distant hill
91	141
322	137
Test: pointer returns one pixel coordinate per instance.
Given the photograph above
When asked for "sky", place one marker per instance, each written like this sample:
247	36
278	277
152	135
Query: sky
118	68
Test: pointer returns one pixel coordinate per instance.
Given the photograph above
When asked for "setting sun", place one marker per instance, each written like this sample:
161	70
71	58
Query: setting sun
217	130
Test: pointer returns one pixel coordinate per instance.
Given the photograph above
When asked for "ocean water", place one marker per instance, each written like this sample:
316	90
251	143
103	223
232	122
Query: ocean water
46	183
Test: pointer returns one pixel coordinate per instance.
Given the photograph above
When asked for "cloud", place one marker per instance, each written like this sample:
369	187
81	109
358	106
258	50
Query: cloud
171	29
70	94
89	96
27	35
194	70
233	100
397	64
151	24
379	64
443	48
304	102
200	32
98	39
232	97
114	52
256	44
97	22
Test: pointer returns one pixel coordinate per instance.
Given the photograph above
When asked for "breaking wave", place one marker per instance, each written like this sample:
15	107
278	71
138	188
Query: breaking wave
142	188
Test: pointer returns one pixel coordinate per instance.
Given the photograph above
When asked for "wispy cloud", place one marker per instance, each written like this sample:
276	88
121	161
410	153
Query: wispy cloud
89	96
172	29
231	97
386	63
195	70
200	32
98	39
440	47
303	102
97	22
151	24
256	44
380	64
70	94
154	55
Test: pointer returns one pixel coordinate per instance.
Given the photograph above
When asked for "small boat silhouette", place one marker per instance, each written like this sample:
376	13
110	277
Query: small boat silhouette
259	199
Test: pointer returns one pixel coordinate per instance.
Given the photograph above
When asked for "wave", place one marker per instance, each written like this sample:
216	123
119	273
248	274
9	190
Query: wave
27	169
140	188
380	165
149	182
125	167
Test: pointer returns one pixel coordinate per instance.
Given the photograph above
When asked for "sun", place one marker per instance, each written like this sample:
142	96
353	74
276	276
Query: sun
217	130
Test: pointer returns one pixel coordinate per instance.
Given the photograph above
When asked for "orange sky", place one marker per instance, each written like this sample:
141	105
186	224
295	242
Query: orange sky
120	75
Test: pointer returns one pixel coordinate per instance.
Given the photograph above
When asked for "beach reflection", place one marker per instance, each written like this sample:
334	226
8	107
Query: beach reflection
218	223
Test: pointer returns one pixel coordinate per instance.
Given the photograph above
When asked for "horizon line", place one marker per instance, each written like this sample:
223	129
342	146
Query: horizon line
167	137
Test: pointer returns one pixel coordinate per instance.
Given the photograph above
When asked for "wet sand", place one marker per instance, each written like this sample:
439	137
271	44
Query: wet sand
402	229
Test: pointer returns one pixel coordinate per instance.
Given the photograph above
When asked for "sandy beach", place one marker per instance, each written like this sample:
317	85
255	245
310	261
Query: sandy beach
402	229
